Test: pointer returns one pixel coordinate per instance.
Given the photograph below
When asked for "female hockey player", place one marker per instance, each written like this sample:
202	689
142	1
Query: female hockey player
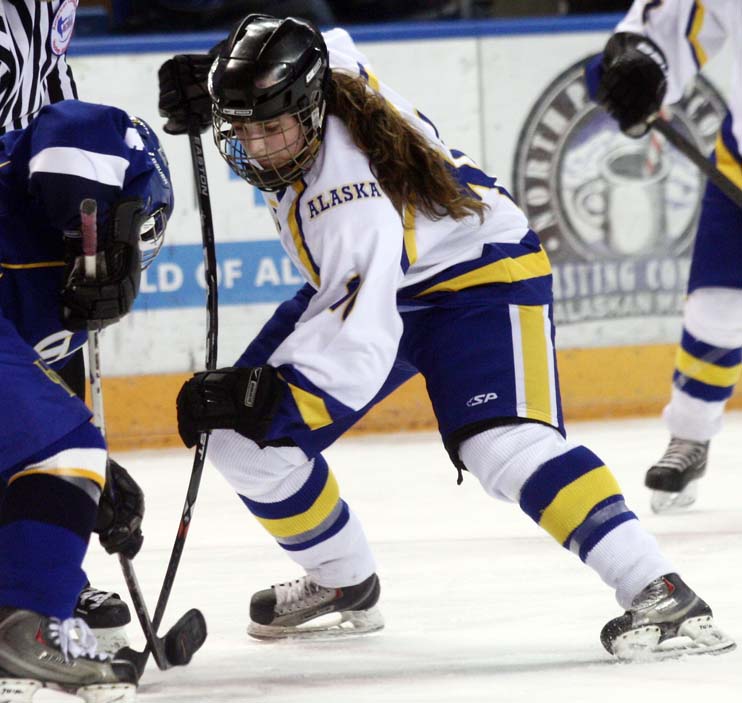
52	458
657	49
405	245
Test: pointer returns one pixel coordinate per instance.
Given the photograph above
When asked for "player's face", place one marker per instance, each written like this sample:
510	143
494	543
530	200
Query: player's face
272	143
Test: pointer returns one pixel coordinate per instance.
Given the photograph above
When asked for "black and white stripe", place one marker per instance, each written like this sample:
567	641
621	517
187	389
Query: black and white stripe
31	74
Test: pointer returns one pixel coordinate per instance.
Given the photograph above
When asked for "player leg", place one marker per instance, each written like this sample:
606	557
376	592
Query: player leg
294	495
708	361
53	463
104	611
499	412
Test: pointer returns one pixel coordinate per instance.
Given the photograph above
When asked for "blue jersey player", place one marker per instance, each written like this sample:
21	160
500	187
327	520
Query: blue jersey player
52	458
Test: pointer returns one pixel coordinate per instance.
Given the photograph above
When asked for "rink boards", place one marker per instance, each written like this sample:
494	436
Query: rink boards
509	94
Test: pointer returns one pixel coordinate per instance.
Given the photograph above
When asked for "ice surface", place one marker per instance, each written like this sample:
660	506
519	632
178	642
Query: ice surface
480	604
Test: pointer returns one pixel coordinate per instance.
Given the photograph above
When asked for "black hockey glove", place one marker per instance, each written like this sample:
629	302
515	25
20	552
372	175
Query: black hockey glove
633	81
103	300
120	513
184	97
240	399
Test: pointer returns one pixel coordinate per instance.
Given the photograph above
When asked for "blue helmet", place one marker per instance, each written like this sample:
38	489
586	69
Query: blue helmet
155	189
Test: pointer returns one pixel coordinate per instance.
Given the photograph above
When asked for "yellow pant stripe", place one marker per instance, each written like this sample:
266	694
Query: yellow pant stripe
308	520
536	375
572	504
705	372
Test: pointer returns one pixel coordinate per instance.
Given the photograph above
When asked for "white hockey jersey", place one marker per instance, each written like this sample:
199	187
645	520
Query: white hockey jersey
690	33
369	263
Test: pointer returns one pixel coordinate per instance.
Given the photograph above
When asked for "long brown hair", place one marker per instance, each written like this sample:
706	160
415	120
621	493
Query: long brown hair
409	168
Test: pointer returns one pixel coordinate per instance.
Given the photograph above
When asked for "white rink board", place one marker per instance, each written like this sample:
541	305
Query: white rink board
477	90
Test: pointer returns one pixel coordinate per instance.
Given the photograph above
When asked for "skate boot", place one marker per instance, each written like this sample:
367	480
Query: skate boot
674	478
303	608
106	615
665	620
38	652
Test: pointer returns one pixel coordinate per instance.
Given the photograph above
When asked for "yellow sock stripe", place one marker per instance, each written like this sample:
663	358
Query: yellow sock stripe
309	519
727	164
537	381
695	31
296	235
705	372
408	222
74	473
311	407
572	504
503	271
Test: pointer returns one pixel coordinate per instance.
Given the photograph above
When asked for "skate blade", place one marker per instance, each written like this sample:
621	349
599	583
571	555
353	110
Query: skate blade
23	691
110	639
345	624
108	693
667	502
695	636
18	690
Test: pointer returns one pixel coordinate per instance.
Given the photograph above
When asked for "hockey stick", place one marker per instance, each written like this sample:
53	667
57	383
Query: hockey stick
183	639
212	325
691	152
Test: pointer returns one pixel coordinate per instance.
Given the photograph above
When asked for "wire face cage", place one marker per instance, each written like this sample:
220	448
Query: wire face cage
270	154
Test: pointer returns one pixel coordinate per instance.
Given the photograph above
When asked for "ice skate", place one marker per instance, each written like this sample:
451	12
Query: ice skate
303	608
674	478
667	619
38	652
106	615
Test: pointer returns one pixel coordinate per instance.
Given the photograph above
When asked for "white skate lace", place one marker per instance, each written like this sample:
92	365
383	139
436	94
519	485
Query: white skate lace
93	598
75	639
682	453
294	592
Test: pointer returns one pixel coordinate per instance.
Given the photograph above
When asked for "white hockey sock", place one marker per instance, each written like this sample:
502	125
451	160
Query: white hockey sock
627	559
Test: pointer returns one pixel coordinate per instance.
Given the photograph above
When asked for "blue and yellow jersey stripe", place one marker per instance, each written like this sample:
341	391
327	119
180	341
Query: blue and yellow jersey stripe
369	76
505	270
311	407
728	154
692	33
409	244
33	265
297	234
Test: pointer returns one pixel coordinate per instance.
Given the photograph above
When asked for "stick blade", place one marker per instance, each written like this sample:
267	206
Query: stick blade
185	638
138	659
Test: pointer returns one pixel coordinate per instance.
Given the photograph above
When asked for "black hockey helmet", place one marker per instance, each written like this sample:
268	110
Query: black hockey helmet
270	67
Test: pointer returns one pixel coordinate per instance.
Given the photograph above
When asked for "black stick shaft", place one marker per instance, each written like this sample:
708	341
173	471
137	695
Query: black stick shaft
207	234
89	234
691	152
